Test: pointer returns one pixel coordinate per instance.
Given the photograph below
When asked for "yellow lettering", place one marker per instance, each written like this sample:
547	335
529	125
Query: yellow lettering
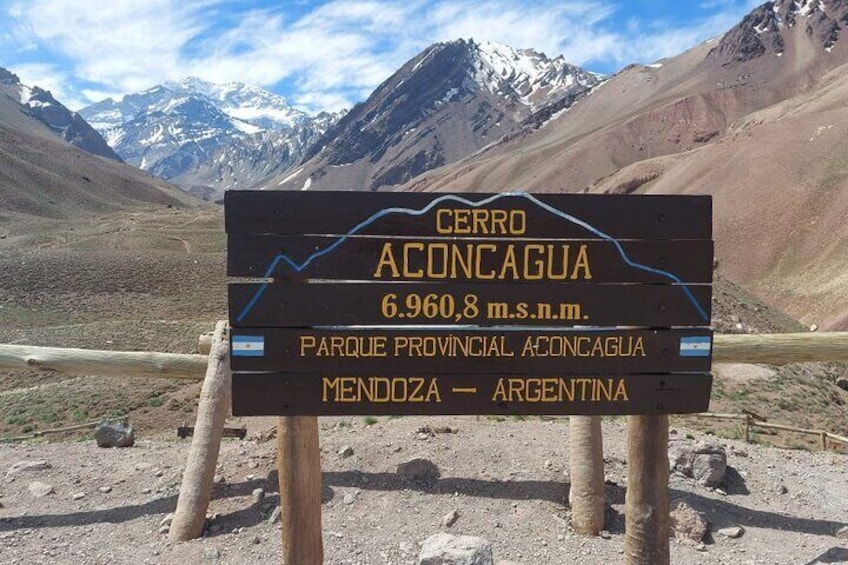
582	264
387	259
440	227
500	393
407	274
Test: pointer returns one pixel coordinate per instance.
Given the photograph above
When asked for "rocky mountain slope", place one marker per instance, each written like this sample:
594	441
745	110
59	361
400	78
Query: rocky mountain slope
756	117
205	137
46	168
40	105
448	102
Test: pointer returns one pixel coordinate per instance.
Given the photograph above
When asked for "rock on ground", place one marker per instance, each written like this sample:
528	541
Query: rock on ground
706	463
39	489
419	469
27	467
687	524
114	433
445	549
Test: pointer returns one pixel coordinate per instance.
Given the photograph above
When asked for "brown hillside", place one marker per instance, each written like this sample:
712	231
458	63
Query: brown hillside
757	118
42	175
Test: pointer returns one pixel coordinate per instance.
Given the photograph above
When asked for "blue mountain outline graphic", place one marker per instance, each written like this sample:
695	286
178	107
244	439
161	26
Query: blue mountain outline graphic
299	267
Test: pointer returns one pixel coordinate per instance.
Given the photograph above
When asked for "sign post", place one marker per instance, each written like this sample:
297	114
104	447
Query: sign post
513	303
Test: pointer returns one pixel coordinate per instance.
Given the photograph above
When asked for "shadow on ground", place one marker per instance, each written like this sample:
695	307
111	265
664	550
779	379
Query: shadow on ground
719	512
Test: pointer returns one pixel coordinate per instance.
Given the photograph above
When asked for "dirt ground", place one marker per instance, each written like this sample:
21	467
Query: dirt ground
508	481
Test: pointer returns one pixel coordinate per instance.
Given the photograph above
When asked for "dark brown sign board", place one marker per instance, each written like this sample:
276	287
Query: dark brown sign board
619	216
304	394
479	260
287	304
404	284
510	351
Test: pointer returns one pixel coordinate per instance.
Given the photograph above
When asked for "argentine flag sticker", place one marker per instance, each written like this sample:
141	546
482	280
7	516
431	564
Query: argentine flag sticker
248	346
695	346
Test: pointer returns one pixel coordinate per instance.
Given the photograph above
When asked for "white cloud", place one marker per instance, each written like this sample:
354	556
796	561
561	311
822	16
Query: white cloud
329	57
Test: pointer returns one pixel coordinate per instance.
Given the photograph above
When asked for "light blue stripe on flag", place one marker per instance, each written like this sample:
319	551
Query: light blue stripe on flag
248	346
695	346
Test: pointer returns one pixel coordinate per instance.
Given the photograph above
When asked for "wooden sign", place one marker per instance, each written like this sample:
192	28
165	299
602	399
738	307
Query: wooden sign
458	350
495	215
302	394
478	260
471	288
346	304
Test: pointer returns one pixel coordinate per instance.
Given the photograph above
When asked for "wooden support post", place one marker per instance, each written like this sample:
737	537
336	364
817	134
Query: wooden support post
196	487
646	510
299	465
823	437
747	425
586	461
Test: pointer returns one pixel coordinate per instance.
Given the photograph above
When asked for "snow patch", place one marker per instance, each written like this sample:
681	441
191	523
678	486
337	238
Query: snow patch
655	65
307	184
246	127
503	71
26	94
290	177
450	94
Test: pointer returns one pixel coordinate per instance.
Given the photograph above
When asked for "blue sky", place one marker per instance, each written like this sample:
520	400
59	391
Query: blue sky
323	55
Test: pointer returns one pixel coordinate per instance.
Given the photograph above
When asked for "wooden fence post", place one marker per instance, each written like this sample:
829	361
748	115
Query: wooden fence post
646	503
212	410
299	466
586	461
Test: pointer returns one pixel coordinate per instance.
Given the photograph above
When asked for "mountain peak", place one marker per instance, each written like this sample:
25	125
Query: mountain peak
9	78
207	137
451	100
764	30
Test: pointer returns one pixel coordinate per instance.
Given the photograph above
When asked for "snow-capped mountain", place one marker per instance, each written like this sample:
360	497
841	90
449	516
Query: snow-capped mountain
445	104
40	105
206	137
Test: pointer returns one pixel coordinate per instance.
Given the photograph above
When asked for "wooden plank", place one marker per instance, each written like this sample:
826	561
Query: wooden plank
620	216
99	362
413	351
257	394
480	261
212	408
340	304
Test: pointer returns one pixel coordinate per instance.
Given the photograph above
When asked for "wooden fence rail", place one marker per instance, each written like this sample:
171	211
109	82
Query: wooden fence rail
750	421
98	362
775	349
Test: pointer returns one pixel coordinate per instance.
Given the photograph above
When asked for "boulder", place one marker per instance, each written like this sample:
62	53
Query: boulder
114	433
687	524
842	383
704	462
445	549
